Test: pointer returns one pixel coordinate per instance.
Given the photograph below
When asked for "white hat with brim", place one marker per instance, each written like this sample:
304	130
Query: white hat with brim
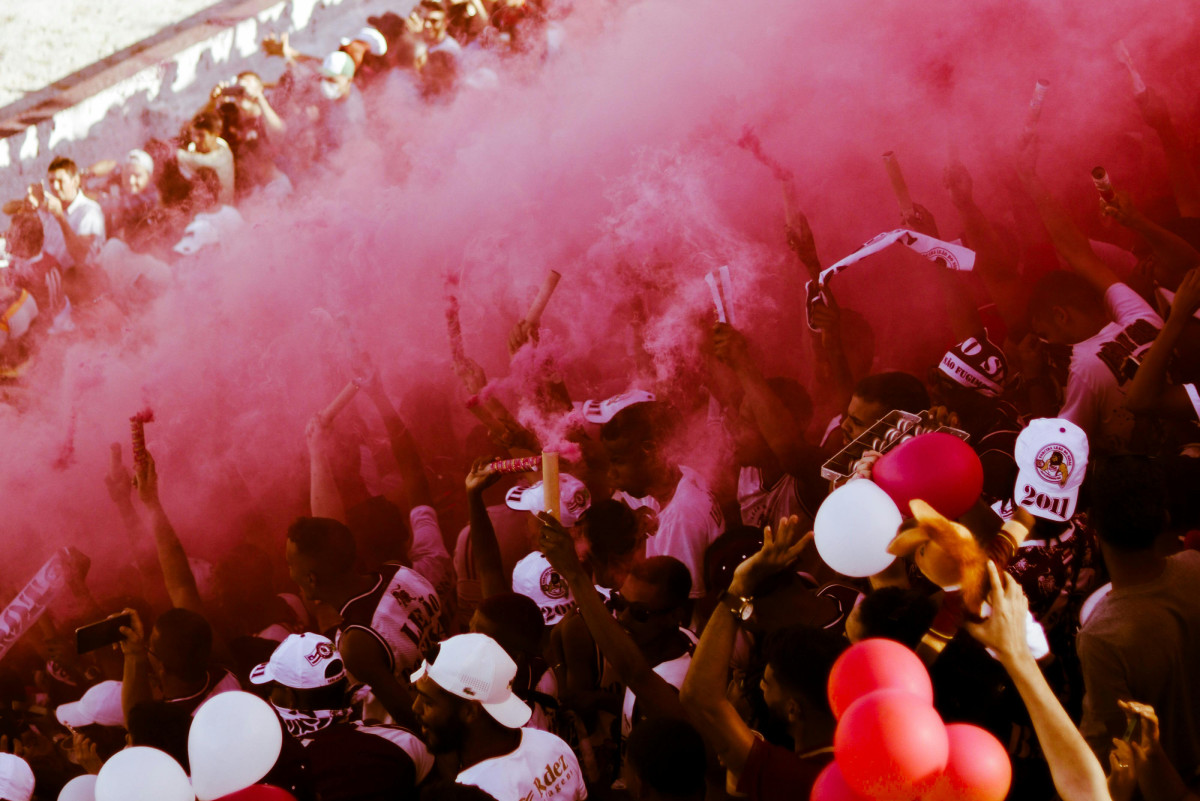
476	668
374	40
1051	456
16	778
101	704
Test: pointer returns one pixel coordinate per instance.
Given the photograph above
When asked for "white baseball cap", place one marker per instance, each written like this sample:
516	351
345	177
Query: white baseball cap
140	158
16	778
303	662
534	578
475	667
1052	457
100	704
573	498
337	65
604	410
371	37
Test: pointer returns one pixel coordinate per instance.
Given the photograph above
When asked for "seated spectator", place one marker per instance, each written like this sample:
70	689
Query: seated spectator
206	149
465	706
129	198
73	222
33	269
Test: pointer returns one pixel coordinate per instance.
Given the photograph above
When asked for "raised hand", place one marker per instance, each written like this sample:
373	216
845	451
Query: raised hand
481	476
958	183
1004	630
558	546
781	548
119	480
729	345
145	479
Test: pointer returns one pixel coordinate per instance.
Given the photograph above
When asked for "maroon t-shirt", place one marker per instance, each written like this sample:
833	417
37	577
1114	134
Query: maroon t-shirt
772	772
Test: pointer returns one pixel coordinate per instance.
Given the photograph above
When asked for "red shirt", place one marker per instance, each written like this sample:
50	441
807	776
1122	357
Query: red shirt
772	772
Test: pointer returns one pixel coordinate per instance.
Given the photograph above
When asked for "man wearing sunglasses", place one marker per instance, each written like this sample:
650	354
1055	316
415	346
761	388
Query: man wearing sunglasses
642	640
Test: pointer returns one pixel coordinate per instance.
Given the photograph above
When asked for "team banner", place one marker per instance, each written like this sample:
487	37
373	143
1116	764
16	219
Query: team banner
952	256
28	606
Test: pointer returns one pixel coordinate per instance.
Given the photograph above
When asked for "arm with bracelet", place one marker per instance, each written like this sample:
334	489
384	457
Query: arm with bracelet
703	691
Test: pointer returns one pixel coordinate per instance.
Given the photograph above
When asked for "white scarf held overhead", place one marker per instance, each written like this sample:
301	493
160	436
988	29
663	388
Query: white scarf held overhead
954	257
24	610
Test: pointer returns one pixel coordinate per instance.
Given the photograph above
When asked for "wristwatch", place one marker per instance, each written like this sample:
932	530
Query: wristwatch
741	607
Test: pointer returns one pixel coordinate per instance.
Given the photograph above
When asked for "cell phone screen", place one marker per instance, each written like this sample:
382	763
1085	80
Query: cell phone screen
97	635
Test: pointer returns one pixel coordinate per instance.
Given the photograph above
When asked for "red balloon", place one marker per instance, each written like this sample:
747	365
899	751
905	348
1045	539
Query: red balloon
831	786
876	664
259	792
938	468
978	769
891	746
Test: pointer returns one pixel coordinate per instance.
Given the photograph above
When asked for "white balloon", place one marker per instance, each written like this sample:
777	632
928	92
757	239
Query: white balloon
81	788
854	527
234	741
142	774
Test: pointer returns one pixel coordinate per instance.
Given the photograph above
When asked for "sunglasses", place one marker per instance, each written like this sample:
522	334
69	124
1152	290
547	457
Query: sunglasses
637	610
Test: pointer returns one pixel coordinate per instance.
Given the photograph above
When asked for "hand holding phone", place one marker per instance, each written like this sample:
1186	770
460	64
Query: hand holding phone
105	632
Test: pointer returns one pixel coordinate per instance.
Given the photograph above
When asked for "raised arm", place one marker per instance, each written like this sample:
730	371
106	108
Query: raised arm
485	549
177	573
78	245
704	690
995	263
654	693
404	447
324	498
773	420
1077	773
1173	256
1149	392
367	662
1180	171
1068	239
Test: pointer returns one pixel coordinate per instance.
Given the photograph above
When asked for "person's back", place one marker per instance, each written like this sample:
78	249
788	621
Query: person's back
351	761
1142	642
542	767
1150	634
402	610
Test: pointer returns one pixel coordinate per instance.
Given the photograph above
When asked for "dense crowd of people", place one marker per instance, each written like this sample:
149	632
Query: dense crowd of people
657	631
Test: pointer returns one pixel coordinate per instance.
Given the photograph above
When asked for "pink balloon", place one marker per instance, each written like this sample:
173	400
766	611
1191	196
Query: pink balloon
259	792
938	468
891	746
978	769
831	786
876	664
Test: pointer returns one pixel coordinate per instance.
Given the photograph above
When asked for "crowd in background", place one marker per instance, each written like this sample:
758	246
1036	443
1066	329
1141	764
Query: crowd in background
670	634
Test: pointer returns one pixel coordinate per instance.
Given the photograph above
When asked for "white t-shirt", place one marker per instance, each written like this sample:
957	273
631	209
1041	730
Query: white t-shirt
85	218
541	768
219	160
674	671
544	718
1103	366
687	525
763	506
